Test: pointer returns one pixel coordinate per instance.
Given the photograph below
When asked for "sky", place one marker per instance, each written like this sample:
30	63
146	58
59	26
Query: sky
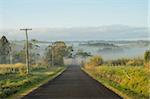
75	19
72	13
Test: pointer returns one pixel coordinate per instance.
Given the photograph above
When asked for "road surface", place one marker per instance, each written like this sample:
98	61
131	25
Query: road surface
72	84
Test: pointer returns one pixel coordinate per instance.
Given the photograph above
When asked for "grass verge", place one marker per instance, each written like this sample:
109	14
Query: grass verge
116	87
15	86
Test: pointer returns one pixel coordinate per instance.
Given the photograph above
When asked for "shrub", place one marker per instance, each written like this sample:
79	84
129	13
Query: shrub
147	56
147	59
94	61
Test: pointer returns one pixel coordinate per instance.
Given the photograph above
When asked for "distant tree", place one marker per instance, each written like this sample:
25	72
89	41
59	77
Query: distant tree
147	56
34	55
4	50
59	51
83	54
19	56
34	41
69	51
56	52
48	55
12	51
147	59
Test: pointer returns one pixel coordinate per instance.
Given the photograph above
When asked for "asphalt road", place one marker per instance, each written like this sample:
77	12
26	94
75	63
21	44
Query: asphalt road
72	84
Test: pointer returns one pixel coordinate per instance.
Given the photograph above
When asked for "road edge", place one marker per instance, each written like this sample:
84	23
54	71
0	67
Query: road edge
116	91
26	92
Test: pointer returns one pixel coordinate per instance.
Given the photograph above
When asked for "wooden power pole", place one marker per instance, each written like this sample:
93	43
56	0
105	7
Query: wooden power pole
52	51
27	49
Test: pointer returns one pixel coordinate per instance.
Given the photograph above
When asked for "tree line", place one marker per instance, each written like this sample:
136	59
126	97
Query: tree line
53	55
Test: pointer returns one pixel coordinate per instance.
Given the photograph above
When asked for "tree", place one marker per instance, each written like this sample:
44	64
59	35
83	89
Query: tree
4	50
12	51
56	52
34	55
19	56
48	55
59	51
69	51
83	54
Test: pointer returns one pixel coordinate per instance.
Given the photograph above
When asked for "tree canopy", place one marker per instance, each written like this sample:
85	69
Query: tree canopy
4	50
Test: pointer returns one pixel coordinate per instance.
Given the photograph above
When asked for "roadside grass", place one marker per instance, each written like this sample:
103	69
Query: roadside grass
12	68
127	81
16	85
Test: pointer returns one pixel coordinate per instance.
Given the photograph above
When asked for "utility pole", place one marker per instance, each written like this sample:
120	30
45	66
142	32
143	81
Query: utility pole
52	54
10	55
27	50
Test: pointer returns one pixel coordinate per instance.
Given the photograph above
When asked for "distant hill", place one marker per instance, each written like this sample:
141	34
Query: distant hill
111	32
98	44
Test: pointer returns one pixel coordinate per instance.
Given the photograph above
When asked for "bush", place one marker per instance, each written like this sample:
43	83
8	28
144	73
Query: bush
147	59
147	56
94	61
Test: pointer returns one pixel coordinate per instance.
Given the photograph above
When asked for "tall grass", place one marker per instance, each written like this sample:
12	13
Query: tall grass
12	82
126	61
12	68
133	79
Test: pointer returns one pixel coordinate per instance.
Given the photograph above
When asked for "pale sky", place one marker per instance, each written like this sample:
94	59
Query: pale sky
72	13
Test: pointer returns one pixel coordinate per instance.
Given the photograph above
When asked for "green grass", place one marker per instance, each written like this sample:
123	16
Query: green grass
12	85
128	81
